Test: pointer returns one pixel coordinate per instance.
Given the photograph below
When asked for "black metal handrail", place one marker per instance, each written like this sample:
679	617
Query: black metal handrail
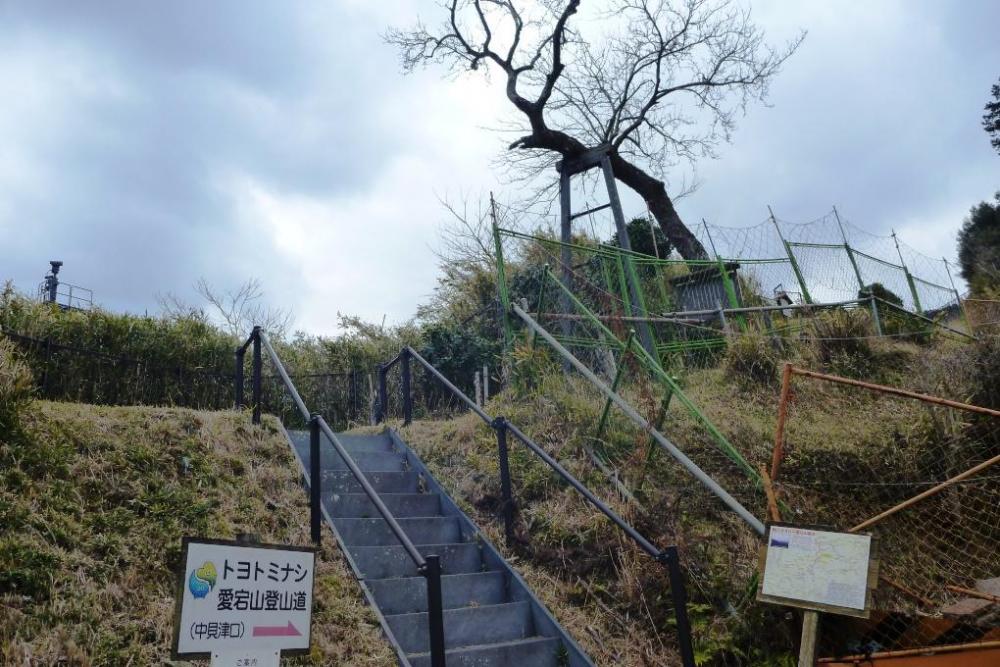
428	566
668	557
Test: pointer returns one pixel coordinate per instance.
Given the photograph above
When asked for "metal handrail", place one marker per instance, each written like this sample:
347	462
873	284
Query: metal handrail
280	367
668	557
429	566
645	544
674	451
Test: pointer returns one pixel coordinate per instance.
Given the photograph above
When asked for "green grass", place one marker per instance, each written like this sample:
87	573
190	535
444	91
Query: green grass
93	504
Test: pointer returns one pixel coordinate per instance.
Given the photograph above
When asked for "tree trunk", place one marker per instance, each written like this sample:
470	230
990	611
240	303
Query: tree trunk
654	192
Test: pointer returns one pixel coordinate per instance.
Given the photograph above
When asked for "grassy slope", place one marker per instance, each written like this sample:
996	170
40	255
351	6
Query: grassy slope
610	596
93	503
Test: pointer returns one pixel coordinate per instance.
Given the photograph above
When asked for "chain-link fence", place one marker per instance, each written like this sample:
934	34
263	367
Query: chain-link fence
69	373
769	278
921	475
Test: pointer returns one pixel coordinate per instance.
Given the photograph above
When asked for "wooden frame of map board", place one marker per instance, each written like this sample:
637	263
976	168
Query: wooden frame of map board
871	581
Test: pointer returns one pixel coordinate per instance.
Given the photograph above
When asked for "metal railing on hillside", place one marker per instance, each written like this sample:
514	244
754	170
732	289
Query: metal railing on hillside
428	566
667	557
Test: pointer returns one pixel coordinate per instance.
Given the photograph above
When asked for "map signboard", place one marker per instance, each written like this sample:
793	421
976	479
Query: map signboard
818	569
236	596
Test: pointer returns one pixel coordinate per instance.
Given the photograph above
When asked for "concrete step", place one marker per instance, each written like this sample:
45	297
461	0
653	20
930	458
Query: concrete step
420	530
343	481
409	595
355	444
380	461
530	652
469	626
359	505
393	561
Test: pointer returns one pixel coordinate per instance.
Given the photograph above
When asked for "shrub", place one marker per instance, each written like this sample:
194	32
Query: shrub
842	341
16	386
752	360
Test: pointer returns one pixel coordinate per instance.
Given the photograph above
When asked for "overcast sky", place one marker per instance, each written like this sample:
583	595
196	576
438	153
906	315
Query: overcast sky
148	144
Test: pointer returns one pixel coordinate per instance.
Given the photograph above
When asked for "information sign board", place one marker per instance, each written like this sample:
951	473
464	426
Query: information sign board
237	596
818	569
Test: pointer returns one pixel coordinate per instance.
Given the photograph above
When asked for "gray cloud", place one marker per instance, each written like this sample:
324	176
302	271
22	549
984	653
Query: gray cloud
148	144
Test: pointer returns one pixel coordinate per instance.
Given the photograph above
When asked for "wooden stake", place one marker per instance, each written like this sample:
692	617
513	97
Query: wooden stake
810	636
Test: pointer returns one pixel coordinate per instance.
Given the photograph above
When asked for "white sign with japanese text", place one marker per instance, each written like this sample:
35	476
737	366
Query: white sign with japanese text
243	597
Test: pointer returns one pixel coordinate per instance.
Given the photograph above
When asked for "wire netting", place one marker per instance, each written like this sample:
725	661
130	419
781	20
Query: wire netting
939	557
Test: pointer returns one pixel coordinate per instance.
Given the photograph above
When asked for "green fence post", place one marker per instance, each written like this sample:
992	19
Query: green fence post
508	333
958	298
909	277
850	252
734	302
791	258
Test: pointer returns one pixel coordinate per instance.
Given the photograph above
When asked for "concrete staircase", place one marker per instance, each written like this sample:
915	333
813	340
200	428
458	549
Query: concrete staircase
490	618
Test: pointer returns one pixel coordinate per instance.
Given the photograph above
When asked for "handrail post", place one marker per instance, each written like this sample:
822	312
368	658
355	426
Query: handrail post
238	377
315	481
404	358
678	594
435	609
381	409
507	498
255	377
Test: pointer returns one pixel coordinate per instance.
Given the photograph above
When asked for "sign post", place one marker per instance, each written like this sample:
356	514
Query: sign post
819	571
243	604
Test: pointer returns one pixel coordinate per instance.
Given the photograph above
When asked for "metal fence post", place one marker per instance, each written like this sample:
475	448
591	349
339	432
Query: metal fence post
678	594
46	372
876	320
435	609
255	375
405	381
507	499
381	410
315	481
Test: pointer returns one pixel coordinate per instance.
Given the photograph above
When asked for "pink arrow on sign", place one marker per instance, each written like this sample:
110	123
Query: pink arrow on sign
276	631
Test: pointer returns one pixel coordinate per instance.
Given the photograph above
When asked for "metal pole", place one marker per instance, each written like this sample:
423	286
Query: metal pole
255	376
501	278
711	242
238	376
614	384
625	407
850	252
678	594
958	298
876	318
791	258
507	497
381	410
486	384
315	481
565	252
435	609
407	395
638	307
909	276
47	373
779	432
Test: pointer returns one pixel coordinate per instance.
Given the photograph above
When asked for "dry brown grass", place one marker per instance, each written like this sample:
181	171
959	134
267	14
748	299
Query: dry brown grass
93	504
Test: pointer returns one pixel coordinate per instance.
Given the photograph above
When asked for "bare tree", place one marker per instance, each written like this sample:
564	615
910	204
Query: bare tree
663	84
243	308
